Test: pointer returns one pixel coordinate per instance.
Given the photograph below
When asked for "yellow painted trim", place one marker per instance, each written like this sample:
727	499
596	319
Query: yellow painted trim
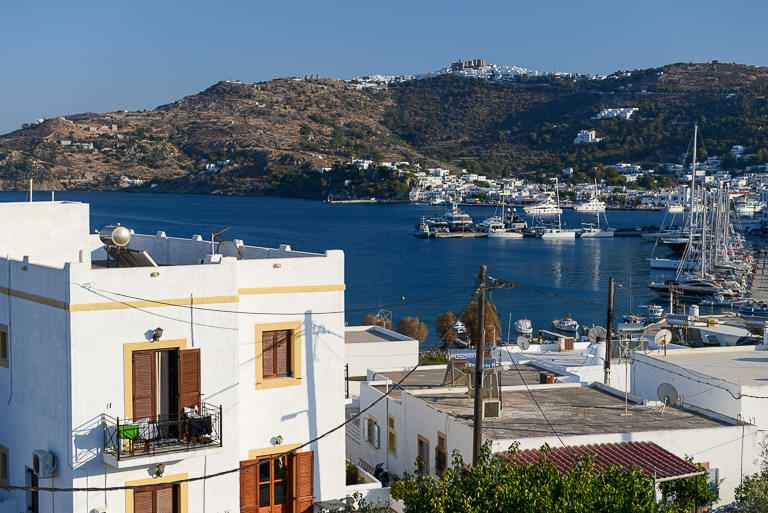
392	430
297	341
183	490
255	454
55	303
129	348
119	304
341	287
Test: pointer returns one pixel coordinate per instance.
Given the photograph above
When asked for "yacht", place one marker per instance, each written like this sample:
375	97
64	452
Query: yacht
458	221
566	324
748	208
692	288
559	232
675	209
545	208
524	327
591	206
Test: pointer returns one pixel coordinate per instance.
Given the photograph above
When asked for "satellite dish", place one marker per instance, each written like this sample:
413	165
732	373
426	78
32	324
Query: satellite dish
667	394
523	343
597	334
228	248
663	337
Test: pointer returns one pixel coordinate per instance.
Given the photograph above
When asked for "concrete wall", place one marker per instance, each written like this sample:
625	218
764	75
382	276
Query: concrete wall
51	233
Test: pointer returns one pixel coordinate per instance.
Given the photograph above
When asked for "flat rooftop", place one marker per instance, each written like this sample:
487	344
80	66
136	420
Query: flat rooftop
371	334
570	410
741	365
432	377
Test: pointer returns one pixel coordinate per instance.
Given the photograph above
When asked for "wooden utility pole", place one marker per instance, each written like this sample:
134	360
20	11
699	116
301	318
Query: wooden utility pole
477	442
609	333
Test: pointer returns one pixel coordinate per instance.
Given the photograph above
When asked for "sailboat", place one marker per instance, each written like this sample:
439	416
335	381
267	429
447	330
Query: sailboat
593	231
508	226
559	232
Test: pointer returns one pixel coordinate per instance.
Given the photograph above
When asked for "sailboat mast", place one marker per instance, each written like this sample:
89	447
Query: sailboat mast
557	199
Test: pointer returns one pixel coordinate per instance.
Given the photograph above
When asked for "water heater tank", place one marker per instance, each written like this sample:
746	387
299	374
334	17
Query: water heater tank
115	235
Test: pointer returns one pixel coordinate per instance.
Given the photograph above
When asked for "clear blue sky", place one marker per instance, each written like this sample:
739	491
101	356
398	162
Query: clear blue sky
59	57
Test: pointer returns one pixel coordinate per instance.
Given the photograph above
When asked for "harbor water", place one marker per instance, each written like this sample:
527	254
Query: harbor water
386	266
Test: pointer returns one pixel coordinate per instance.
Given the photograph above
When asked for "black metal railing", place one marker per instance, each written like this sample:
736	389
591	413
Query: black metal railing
130	438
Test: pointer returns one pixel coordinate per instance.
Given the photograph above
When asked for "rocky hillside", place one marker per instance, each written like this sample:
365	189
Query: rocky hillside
262	137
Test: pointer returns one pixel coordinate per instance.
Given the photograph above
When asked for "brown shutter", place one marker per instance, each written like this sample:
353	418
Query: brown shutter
268	353
164	499
143	384
282	347
304	472
249	486
143	501
189	378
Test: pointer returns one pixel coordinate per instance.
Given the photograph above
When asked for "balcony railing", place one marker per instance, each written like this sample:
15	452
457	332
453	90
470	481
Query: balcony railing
131	438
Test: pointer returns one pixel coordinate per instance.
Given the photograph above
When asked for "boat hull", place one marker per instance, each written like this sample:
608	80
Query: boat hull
504	235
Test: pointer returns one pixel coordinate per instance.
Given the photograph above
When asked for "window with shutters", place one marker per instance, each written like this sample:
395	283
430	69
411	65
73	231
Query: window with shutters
422	453
278	354
4	466
374	434
157	499
441	454
5	347
391	435
277	484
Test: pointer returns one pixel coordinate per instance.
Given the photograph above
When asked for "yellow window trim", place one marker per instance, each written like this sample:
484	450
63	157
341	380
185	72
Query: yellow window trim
128	350
247	291
255	454
391	431
124	305
183	491
297	341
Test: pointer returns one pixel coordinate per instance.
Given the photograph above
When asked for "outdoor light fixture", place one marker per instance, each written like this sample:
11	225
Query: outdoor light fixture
158	470
277	440
157	334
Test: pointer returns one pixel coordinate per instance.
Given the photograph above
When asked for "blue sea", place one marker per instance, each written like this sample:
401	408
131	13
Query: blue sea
386	266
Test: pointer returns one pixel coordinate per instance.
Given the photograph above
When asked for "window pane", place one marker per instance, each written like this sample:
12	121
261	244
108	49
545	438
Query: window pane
279	468
280	495
264	495
264	470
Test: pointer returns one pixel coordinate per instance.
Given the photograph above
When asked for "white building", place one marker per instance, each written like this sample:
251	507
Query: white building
621	113
109	370
586	137
428	416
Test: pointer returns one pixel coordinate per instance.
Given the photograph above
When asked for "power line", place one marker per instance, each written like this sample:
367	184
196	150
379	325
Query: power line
55	489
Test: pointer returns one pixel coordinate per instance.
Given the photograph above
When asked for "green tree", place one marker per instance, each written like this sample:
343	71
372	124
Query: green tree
752	493
687	495
413	327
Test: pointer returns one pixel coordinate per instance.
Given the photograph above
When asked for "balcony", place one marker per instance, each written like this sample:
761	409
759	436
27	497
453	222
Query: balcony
138	442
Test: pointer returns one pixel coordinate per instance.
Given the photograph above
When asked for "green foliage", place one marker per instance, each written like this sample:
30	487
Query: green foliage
686	495
471	319
495	485
752	493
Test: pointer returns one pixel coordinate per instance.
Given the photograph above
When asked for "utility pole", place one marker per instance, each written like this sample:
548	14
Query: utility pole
609	333
477	442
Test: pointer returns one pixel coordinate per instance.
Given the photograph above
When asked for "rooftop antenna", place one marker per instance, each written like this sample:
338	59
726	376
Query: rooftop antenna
215	234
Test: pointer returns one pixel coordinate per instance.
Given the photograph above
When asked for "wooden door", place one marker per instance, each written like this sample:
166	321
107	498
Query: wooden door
189	378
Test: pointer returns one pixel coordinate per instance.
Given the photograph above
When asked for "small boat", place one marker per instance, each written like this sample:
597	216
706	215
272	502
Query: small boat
566	324
675	209
524	326
557	233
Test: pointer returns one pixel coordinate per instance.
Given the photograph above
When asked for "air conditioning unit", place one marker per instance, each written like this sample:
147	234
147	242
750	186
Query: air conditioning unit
491	409
43	464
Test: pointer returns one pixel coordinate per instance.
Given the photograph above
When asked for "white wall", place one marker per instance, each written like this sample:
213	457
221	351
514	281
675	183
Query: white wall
403	354
51	233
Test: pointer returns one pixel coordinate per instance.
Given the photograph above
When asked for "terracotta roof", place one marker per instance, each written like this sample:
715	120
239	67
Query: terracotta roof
645	456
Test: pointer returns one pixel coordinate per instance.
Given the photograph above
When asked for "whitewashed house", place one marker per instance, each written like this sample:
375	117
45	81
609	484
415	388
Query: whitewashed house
154	360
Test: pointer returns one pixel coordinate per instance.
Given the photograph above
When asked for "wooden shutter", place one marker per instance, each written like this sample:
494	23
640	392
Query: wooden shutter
144	384
249	486
143	501
189	378
164	499
268	353
283	350
305	476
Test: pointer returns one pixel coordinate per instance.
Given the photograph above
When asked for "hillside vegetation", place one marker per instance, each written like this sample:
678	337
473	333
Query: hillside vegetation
273	137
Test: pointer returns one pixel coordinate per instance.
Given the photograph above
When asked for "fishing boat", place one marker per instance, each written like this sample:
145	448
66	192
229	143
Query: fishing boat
566	324
524	327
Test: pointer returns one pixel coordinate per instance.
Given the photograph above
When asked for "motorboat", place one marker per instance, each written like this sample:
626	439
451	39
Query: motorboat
506	226
591	231
545	208
692	288
566	324
551	232
725	335
675	209
524	326
594	205
458	221
670	264
748	208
